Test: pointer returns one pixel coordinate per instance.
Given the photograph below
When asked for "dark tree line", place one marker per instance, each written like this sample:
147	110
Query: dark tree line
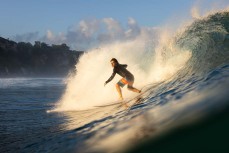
39	60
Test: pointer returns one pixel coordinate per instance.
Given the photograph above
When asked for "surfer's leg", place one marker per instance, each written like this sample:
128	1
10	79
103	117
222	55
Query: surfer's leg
119	91
119	84
131	88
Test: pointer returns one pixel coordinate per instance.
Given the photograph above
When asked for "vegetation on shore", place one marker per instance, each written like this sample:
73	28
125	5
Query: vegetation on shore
39	60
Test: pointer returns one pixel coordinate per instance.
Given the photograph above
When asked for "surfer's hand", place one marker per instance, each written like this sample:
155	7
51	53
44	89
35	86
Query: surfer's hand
105	84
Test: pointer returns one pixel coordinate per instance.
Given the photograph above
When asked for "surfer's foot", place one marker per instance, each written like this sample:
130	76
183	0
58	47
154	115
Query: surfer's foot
125	105
120	98
138	100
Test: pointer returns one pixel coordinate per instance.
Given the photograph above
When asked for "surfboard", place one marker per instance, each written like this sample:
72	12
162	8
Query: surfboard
112	104
139	99
131	101
124	102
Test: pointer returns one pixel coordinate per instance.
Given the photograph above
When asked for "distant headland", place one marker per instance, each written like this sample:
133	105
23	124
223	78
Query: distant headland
23	59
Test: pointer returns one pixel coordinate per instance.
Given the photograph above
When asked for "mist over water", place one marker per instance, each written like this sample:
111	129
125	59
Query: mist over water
144	57
155	55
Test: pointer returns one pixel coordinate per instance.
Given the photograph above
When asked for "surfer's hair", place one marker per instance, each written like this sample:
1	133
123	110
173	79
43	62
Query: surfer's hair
115	60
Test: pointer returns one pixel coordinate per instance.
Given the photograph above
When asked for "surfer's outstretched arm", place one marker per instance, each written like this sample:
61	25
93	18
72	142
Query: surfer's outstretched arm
111	78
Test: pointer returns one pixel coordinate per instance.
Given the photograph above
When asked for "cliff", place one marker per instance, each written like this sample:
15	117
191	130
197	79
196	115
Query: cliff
38	60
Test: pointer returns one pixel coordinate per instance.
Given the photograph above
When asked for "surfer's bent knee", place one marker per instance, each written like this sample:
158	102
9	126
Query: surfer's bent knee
130	87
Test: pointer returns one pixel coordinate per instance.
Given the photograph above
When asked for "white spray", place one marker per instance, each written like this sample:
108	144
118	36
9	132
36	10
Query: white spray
86	89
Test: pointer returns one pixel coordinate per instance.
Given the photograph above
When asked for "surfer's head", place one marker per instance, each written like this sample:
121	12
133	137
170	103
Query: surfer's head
114	62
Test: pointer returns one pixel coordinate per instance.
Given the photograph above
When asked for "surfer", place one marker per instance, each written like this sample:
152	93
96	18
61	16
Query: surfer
128	77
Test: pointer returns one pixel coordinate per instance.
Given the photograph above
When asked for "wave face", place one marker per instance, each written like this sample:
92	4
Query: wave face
208	40
198	49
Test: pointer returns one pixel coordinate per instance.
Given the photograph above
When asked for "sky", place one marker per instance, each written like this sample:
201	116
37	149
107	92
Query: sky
83	23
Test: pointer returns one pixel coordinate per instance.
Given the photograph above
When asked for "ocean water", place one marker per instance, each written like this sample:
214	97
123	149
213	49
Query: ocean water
59	114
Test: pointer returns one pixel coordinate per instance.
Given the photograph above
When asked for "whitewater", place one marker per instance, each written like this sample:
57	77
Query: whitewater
144	58
152	57
186	72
